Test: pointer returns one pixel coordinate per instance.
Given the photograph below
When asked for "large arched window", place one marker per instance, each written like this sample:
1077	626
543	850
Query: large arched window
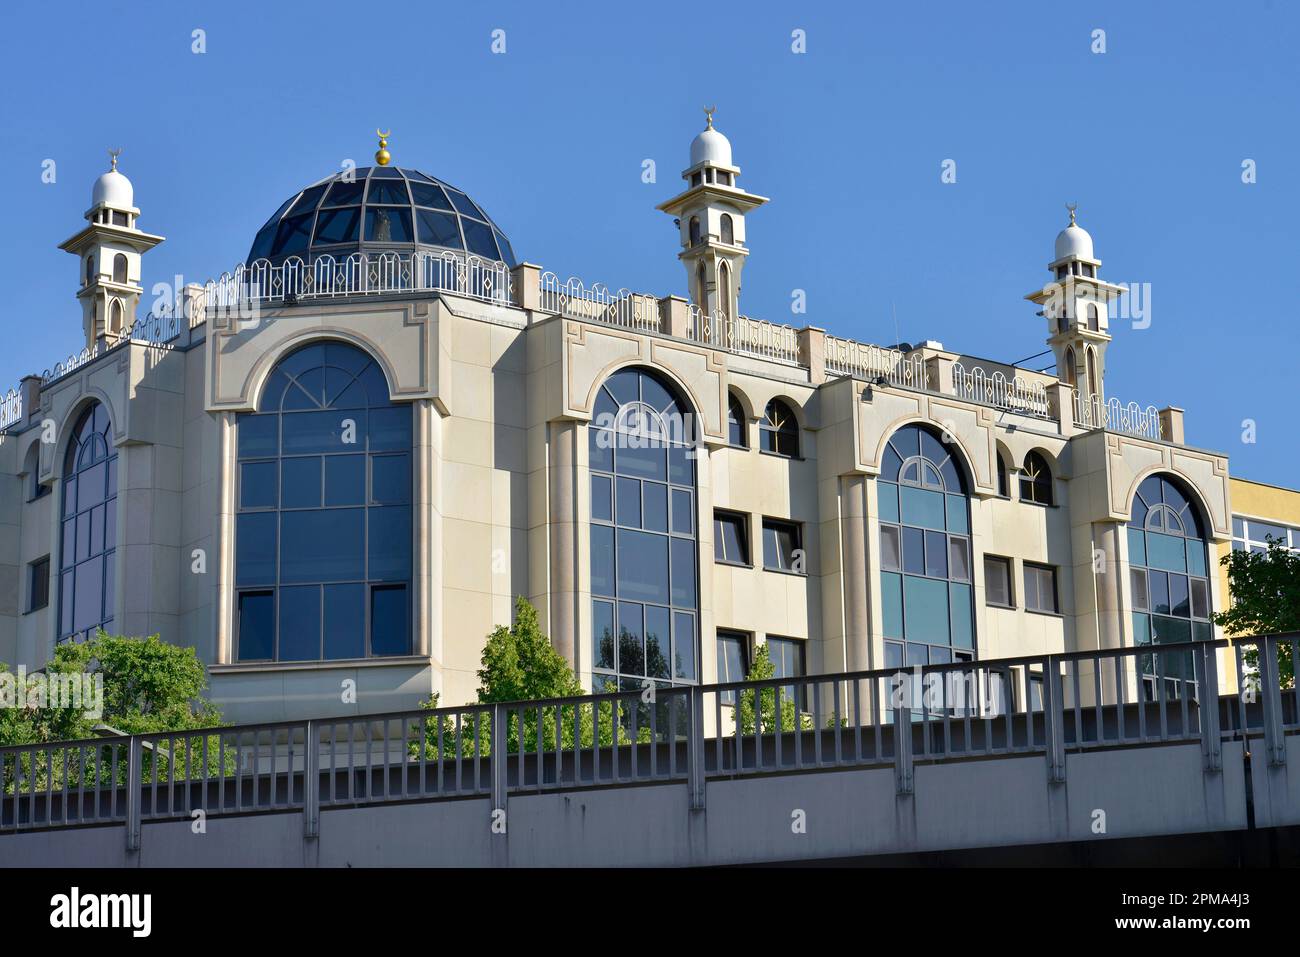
728	230
779	430
925	556
1169	576
87	570
323	535
119	268
737	425
643	535
1036	480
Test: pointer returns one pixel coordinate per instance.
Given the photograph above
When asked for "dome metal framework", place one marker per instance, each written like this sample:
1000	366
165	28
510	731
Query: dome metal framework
376	210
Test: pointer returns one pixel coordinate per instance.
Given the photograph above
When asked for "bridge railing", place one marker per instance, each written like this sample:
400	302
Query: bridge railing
1049	705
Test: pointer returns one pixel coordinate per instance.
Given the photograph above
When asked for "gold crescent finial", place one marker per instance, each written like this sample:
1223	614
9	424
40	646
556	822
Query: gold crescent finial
708	116
112	157
382	156
1072	207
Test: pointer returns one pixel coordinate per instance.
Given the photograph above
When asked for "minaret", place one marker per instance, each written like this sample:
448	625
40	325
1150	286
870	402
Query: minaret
711	217
109	251
1076	306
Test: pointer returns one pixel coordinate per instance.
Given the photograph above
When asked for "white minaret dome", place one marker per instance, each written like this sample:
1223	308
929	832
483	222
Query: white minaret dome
113	190
710	146
1074	241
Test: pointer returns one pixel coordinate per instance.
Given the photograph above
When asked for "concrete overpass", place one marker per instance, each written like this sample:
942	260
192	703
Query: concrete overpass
1062	751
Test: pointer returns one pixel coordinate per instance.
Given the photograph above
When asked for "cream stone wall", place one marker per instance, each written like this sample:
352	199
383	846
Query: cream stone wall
501	400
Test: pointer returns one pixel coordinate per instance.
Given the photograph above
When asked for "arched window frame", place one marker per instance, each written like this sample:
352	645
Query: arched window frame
1004	473
737	423
88	528
1169	581
779	430
644	534
923	504
727	229
1036	482
119	268
693	228
323	538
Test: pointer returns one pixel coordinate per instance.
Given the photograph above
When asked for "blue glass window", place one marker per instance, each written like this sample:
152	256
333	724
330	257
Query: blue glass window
323	569
88	532
1169	581
643	535
924	511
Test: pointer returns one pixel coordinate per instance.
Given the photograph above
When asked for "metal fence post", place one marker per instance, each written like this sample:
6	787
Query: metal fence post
903	768
134	785
1211	736
695	749
1054	719
1271	702
311	781
498	761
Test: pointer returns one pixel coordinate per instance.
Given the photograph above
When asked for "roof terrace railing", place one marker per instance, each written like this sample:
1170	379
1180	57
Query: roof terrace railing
1016	394
1090	412
757	337
597	304
861	360
1046	705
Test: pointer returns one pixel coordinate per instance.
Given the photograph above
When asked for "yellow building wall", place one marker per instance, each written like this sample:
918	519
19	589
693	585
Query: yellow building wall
1269	503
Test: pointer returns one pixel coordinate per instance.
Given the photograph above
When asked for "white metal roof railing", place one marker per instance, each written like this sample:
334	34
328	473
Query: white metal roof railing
11	408
757	337
573	299
1014	394
359	274
862	360
1090	412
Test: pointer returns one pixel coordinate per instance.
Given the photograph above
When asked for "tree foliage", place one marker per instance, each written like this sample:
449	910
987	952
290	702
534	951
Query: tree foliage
1265	589
768	710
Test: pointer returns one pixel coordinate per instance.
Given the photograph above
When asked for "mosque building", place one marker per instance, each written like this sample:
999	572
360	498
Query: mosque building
339	464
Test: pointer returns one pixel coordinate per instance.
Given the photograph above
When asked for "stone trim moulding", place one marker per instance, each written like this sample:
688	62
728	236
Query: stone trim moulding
265	667
403	338
1129	461
592	353
970	427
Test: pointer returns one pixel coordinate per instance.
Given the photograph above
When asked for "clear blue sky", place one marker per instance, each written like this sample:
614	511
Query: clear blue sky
847	140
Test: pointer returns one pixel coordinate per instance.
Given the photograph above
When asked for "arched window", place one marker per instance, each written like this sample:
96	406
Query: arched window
1169	579
88	525
925	557
695	230
724	290
323	531
1036	480
779	431
115	316
1092	372
643	535
119	268
1094	320
728	230
1004	484
737	426
701	289
90	270
1067	374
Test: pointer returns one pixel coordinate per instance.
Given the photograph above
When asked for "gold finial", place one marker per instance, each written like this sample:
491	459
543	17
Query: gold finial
708	116
382	156
112	157
1072	207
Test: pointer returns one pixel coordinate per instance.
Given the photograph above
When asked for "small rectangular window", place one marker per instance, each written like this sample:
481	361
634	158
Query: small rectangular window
1040	588
730	538
782	549
1141	601
733	660
997	582
38	586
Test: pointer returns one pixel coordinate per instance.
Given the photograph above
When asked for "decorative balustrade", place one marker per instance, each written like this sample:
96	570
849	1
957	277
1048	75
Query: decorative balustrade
1090	412
742	334
11	408
624	308
1014	395
864	361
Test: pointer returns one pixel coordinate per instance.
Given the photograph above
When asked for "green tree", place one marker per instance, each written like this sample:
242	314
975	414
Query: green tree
149	686
1265	588
776	709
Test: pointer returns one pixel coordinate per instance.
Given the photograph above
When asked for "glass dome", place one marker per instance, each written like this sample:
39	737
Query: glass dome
382	209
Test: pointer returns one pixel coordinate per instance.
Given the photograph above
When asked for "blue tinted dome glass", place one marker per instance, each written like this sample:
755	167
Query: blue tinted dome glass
378	209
